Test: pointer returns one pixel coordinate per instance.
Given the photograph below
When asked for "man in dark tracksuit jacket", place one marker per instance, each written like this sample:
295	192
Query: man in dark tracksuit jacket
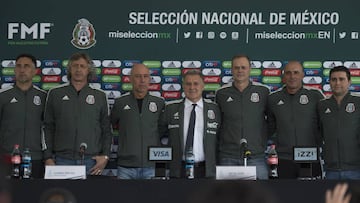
172	125
242	104
136	131
340	128
136	114
293	121
21	114
77	114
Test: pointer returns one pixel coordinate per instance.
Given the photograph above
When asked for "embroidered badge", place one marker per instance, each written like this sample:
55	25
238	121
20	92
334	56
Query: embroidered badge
153	107
255	97
211	114
350	107
90	99
304	99
37	100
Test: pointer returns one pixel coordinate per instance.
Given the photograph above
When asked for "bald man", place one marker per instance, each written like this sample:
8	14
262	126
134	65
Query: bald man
293	120
136	114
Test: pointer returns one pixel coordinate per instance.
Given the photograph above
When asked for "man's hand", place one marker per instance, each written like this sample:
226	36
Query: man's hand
101	162
49	162
337	195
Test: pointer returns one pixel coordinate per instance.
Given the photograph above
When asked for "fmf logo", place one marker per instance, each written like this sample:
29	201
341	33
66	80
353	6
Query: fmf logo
36	30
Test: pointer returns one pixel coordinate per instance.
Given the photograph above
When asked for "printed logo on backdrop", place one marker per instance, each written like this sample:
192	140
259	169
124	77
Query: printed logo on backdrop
28	34
83	34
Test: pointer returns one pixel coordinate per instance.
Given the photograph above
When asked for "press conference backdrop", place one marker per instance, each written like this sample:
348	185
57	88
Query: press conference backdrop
172	36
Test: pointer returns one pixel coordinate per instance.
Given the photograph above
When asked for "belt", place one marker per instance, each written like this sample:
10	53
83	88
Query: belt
197	164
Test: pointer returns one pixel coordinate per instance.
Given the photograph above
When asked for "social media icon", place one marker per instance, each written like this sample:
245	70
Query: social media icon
199	35
235	35
342	35
354	35
211	35
223	35
187	35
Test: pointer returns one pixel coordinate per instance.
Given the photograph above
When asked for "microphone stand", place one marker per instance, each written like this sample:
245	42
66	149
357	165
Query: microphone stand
246	156
82	158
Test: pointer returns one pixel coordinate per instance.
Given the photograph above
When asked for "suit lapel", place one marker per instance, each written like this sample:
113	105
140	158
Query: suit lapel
181	123
205	110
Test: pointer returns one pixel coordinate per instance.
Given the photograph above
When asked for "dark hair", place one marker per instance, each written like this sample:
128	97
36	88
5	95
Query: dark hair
240	56
193	72
33	59
87	58
341	69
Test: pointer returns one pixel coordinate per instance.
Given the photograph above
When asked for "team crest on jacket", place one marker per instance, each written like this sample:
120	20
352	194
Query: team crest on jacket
350	107
153	107
255	97
37	100
90	99
211	114
304	99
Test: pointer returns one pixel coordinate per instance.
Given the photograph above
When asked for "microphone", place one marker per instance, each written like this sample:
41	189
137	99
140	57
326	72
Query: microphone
243	145
83	147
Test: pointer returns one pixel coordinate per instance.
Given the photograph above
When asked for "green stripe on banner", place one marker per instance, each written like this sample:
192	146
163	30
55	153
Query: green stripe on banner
36	78
271	80
8	71
355	80
127	86
111	78
47	86
171	71
312	64
226	64
326	72
211	87
152	64
255	72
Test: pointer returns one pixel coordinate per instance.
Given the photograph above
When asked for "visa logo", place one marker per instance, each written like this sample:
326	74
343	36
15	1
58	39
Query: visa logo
160	154
36	30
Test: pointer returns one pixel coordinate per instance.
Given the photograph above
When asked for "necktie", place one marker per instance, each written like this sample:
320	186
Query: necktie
190	134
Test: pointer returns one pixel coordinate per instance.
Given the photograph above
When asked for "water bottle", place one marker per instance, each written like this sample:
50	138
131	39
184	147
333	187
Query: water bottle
273	161
26	166
189	164
15	162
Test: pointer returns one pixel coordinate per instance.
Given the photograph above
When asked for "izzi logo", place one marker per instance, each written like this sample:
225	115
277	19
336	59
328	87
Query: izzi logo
28	34
83	34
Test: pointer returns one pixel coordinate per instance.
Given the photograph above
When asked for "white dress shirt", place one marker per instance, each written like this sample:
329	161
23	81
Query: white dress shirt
198	147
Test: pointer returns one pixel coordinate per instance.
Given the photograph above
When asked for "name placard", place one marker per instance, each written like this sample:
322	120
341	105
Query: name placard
65	172
160	153
235	172
305	154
